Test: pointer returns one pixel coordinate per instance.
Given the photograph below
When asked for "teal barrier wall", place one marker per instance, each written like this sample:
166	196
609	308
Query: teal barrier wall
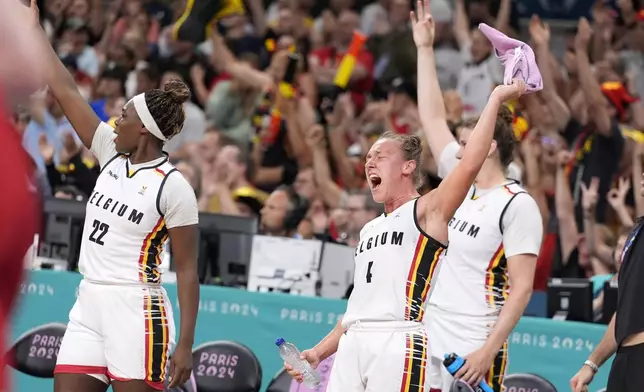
551	349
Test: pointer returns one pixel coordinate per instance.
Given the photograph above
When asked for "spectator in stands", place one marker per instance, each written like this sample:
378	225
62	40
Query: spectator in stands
482	70
226	185
324	61
47	118
75	38
191	173
194	126
282	213
304	184
231	102
110	93
73	168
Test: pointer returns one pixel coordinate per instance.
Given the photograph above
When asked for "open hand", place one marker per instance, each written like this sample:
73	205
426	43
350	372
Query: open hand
509	92
423	24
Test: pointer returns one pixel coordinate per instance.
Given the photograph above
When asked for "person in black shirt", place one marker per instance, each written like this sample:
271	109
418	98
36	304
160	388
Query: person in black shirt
625	333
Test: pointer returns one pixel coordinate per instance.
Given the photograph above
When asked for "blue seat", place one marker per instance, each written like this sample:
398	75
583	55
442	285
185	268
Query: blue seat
36	351
226	366
528	382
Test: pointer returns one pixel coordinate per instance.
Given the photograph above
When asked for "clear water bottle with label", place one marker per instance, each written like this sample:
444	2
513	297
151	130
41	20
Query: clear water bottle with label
291	355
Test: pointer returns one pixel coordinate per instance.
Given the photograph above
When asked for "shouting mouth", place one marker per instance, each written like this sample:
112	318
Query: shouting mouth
375	181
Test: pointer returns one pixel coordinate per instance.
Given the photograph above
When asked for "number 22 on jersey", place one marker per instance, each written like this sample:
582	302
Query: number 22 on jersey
100	229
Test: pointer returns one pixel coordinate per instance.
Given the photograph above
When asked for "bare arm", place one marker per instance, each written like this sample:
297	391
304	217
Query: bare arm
338	143
532	179
430	104
63	87
502	22
299	150
597	110
452	190
565	208
224	60
589	196
461	28
606	347
256	8
226	203
540	35
329	345
183	241
521	274
331	192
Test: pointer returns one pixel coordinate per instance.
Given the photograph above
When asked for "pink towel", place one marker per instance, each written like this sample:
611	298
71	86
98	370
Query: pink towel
517	58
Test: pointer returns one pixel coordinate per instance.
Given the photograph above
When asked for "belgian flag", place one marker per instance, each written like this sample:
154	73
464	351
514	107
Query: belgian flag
195	24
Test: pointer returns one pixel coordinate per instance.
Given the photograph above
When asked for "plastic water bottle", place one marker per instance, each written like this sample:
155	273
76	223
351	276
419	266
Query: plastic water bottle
291	355
453	363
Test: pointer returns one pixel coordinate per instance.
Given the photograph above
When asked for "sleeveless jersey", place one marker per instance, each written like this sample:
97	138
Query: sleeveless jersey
473	278
394	263
124	228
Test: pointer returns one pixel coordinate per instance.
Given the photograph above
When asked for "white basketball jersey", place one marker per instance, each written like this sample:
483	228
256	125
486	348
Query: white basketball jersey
124	229
394	263
472	278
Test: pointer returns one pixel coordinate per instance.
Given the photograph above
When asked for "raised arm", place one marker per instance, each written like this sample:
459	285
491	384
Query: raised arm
540	34
565	208
589	197
461	28
225	61
452	191
430	100
21	71
596	101
63	87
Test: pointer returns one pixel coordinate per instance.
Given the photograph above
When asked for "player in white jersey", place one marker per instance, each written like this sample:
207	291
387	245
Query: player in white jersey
381	342
494	238
121	329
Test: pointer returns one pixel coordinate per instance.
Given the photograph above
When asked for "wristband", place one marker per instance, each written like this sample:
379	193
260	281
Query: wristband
591	365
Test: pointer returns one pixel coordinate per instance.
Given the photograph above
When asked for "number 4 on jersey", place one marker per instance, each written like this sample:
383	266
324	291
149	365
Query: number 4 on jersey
369	271
100	229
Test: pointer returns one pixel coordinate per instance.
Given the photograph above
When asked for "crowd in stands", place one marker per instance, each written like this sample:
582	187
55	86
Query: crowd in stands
579	145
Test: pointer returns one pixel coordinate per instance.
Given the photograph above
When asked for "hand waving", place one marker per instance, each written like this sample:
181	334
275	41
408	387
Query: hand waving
590	194
505	93
423	24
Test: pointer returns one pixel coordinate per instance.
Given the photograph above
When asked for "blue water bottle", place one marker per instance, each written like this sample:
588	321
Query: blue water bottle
453	363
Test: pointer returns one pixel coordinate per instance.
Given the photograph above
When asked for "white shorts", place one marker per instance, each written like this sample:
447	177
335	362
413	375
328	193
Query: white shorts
449	333
119	333
388	356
